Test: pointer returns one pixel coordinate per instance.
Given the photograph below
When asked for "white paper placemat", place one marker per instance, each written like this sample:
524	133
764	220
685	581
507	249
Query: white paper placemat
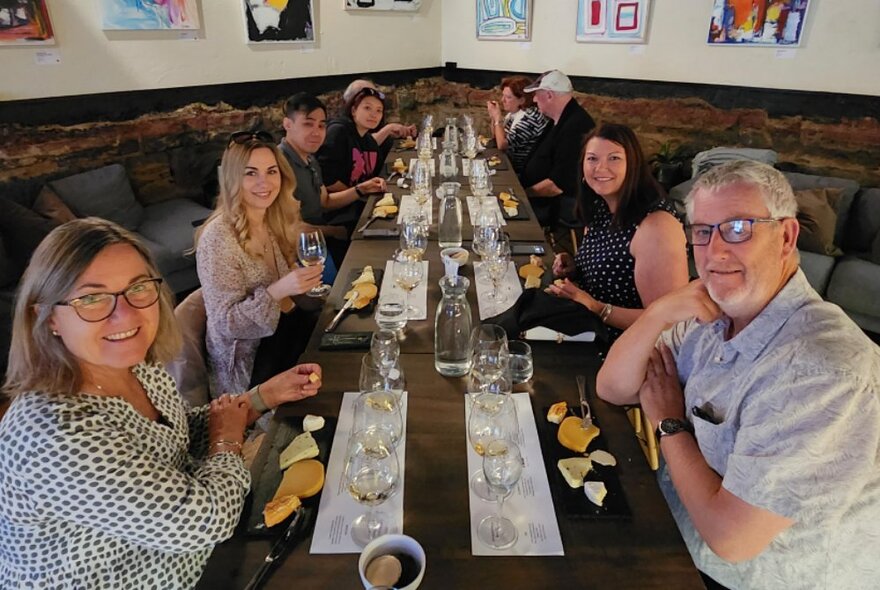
509	290
418	298
432	163
475	203
530	506
466	167
338	509
408	205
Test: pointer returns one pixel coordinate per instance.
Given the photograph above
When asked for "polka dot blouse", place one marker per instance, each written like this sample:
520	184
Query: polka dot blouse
94	495
605	267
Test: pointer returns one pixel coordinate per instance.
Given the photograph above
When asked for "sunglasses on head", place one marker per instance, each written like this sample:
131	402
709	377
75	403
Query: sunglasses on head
242	137
367	91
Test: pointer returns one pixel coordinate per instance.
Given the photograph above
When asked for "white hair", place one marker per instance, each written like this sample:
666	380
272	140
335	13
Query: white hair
774	187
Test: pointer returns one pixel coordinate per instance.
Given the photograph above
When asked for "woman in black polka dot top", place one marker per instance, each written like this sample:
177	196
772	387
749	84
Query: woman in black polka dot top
106	479
634	248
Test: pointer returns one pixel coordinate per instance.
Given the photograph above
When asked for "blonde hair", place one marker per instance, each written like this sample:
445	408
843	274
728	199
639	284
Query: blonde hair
39	361
282	216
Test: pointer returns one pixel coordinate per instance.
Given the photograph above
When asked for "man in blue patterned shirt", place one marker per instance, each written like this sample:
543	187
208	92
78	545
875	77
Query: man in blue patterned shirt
765	397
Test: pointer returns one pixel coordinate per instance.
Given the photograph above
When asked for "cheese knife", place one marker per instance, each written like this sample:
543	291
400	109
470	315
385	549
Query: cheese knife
278	549
586	416
335	321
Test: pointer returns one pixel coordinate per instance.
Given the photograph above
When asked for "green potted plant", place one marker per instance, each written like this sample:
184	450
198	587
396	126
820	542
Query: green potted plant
669	164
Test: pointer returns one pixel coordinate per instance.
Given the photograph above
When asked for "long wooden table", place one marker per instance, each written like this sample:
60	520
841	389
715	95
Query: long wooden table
645	551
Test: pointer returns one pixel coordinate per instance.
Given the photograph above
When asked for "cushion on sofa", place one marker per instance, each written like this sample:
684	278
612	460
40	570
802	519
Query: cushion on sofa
8	268
817	215
189	369
22	231
864	226
170	223
849	189
49	204
854	286
105	192
817	268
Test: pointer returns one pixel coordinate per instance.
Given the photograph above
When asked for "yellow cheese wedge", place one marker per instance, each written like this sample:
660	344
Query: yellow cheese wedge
385	211
399	166
388	199
303	480
366	276
595	491
530	269
572	436
558	410
365	293
574	469
603	458
278	510
533	282
302	447
536	260
313	377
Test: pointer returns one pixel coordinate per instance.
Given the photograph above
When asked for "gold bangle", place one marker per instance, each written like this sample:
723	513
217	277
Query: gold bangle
606	312
221	443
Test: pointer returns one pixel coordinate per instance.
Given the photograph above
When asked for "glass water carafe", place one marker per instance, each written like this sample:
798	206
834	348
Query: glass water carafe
448	163
452	328
449	228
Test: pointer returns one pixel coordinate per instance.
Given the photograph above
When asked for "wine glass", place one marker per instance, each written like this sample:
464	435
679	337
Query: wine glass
372	473
492	417
372	379
502	467
490	340
385	350
421	182
424	145
391	312
479	178
380	409
408	274
311	249
414	232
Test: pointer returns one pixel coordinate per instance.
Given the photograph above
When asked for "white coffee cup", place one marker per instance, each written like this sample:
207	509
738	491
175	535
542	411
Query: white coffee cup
452	259
390	545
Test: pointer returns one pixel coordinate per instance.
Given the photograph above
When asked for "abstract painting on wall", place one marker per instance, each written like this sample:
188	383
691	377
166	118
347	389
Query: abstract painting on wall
504	20
612	21
409	5
279	21
131	15
757	23
25	22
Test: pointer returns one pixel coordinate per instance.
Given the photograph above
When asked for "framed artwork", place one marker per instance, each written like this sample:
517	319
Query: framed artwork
133	15
279	21
405	5
25	22
612	21
758	23
504	20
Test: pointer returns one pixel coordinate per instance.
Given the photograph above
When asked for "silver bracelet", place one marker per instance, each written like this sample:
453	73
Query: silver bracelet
257	402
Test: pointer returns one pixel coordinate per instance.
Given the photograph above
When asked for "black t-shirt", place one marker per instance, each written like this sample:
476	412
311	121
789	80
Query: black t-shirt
556	155
347	156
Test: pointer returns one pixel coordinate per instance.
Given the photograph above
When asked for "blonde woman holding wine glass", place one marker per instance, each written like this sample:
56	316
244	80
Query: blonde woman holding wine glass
246	254
311	249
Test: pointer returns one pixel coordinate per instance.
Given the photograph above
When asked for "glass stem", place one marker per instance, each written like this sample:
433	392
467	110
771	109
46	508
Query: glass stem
373	523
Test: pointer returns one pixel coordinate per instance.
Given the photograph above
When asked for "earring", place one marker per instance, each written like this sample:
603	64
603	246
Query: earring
55	333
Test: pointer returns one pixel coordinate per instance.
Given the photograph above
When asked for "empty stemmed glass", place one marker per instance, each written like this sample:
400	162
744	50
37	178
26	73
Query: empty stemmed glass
502	467
496	263
414	232
385	350
372	378
372	473
311	249
479	178
492	416
408	274
490	357
421	177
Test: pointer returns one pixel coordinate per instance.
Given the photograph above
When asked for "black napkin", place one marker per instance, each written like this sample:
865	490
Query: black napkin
537	308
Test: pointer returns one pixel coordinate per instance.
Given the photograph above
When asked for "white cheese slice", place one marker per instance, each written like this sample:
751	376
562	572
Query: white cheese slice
511	211
366	277
603	458
302	447
595	491
388	199
533	282
311	423
574	469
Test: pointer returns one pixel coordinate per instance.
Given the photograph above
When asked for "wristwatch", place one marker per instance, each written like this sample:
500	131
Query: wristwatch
670	426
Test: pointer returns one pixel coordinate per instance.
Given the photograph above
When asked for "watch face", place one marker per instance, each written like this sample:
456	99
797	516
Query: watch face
671	426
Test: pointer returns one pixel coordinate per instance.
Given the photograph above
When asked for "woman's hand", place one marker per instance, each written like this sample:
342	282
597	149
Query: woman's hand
398	130
291	385
227	418
298	281
568	290
563	265
494	111
374	185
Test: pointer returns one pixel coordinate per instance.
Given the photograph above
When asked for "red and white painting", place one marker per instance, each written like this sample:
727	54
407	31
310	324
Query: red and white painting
612	21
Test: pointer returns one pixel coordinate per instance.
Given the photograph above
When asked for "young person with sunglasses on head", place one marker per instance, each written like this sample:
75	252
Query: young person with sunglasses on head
386	133
246	260
350	154
305	121
766	398
633	250
107	480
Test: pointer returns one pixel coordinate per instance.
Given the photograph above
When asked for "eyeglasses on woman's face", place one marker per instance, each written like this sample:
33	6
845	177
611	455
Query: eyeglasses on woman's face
96	307
243	137
733	231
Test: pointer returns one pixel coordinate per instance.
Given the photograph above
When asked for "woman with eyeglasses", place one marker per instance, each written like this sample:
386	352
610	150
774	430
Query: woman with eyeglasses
106	479
350	154
518	131
246	260
634	248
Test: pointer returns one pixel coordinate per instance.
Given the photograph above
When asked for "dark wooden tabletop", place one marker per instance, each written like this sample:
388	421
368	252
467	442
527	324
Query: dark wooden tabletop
503	179
645	551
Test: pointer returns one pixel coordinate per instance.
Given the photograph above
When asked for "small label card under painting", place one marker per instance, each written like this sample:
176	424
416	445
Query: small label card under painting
787	53
47	57
530	506
338	509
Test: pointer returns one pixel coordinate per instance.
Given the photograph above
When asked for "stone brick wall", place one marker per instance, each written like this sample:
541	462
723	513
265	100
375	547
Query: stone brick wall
155	147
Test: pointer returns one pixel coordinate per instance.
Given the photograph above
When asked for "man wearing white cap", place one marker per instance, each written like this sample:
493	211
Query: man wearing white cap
551	172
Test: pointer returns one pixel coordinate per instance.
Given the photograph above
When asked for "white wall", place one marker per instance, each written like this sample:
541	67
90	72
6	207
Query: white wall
840	50
93	60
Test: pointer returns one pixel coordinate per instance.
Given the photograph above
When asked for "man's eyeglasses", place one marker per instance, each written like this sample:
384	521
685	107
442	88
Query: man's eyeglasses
733	231
367	91
96	307
243	137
